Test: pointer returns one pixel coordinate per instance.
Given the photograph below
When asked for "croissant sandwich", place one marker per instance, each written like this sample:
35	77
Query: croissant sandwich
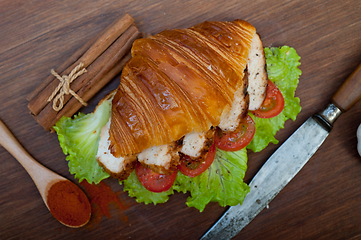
178	87
190	104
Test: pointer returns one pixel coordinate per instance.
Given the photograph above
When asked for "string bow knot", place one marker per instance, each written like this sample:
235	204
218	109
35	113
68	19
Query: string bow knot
64	87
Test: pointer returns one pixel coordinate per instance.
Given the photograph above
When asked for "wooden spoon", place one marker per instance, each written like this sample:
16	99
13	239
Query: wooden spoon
45	179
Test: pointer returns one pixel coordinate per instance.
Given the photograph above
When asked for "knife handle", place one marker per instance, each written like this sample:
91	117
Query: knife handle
350	91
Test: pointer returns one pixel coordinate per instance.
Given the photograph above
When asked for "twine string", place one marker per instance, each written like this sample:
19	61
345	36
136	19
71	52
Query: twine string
64	87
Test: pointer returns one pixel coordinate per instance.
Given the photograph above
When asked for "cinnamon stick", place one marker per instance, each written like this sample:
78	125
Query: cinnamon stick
48	117
38	102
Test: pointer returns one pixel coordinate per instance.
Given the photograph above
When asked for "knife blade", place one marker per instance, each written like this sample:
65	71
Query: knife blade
287	161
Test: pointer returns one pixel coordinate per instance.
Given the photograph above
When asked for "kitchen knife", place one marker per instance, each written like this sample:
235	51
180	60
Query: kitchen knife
287	161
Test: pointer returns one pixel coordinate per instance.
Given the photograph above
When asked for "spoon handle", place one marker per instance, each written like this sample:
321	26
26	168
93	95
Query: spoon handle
40	174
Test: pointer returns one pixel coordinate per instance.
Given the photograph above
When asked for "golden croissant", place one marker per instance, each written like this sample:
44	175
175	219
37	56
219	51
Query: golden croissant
179	85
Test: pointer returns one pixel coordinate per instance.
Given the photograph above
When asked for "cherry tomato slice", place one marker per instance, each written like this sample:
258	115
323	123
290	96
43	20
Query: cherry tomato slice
237	140
192	168
153	181
273	103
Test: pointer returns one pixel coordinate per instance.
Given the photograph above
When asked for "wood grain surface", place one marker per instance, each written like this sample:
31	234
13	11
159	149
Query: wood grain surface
322	202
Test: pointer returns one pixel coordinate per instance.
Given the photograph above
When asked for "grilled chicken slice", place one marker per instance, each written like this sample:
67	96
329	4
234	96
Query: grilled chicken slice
162	159
230	120
119	167
256	78
196	145
257	74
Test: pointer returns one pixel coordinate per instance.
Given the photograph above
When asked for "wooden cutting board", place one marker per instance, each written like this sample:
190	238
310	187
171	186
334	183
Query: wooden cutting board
323	201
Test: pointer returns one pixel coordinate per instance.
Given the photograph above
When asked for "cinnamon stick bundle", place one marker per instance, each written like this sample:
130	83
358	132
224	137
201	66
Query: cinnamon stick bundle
103	59
90	90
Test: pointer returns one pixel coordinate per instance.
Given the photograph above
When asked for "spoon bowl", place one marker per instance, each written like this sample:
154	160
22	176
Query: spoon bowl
43	178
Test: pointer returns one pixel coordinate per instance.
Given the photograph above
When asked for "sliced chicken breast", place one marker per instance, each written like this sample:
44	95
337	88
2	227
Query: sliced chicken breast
161	159
195	145
117	167
230	120
257	74
256	90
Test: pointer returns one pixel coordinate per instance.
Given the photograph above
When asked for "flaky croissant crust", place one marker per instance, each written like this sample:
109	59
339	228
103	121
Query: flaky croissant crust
178	81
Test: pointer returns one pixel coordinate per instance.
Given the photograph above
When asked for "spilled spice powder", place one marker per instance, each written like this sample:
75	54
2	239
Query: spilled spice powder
101	196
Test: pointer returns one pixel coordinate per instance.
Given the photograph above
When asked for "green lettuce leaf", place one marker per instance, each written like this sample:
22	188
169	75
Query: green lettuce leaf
222	182
79	137
282	69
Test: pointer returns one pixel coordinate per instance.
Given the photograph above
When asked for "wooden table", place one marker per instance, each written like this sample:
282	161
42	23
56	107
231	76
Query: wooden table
323	201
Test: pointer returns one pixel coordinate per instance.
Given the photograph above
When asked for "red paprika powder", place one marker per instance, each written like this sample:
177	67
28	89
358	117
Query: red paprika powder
69	204
101	196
